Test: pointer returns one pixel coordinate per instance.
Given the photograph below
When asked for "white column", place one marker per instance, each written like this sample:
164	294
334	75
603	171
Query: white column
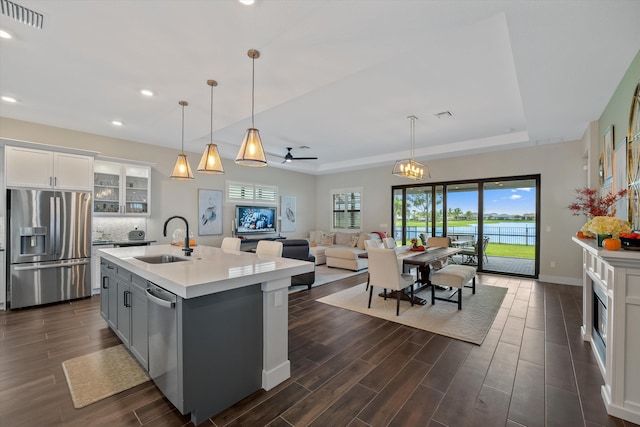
275	328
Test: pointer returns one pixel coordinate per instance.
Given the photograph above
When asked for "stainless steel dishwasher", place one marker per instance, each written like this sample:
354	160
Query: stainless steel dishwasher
163	342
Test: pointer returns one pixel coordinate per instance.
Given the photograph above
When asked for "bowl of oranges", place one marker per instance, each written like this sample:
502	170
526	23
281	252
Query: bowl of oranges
630	241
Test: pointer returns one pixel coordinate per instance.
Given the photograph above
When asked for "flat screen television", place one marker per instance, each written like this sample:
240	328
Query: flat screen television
256	219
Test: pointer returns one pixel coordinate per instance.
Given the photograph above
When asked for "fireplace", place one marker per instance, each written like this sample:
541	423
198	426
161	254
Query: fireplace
599	321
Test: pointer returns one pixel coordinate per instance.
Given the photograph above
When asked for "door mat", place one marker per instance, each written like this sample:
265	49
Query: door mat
98	375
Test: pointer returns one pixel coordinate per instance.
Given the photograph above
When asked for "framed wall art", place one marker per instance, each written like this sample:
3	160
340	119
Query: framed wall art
209	212
288	214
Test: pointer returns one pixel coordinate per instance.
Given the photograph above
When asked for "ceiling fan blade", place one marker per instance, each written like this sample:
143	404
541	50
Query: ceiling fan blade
304	158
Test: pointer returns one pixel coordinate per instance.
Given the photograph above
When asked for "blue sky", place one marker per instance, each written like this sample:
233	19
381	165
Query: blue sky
514	201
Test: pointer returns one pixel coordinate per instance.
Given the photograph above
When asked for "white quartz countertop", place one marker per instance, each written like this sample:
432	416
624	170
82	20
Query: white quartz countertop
208	270
620	254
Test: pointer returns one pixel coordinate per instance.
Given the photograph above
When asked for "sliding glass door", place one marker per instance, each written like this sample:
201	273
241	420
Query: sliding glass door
510	227
417	212
494	221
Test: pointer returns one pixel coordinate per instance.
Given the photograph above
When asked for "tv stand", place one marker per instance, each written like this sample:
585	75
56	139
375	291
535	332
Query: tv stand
249	245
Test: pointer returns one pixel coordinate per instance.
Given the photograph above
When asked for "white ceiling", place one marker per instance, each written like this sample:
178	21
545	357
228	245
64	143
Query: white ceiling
340	77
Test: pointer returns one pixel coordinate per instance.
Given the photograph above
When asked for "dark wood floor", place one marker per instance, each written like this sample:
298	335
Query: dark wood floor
351	369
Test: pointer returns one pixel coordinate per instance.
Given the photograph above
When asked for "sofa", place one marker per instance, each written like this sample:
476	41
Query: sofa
341	249
299	249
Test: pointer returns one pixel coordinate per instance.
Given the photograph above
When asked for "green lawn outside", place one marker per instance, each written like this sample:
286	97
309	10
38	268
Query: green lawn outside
514	251
493	249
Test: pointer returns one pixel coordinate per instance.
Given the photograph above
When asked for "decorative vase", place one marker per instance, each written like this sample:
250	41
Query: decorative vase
601	237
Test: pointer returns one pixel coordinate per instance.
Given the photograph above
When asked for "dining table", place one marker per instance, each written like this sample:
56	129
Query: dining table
423	261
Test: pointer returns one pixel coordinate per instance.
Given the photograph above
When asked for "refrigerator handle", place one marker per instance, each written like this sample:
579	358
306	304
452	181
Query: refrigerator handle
53	233
58	235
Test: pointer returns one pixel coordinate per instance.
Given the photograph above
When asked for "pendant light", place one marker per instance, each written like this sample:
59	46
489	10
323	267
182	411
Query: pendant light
410	168
210	161
251	152
182	170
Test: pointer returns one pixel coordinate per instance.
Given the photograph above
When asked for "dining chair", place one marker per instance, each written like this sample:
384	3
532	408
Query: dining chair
438	242
373	244
269	248
385	273
389	242
424	238
434	242
231	243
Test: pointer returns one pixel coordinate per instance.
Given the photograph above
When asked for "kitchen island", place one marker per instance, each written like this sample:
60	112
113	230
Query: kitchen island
216	322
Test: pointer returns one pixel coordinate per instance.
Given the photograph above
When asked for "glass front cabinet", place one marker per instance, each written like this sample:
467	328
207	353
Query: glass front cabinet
121	189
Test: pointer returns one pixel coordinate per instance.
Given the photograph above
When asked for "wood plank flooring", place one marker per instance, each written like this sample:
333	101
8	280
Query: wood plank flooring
348	369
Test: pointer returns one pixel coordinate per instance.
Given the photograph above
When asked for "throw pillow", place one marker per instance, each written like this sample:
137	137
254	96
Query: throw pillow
354	240
327	239
342	238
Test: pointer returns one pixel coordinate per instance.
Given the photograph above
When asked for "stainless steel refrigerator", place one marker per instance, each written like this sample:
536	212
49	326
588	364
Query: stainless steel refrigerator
48	246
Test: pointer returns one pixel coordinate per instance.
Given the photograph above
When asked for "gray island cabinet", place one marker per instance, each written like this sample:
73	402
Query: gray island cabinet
214	324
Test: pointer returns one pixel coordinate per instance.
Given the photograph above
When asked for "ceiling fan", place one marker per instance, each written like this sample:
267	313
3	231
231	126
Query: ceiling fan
289	157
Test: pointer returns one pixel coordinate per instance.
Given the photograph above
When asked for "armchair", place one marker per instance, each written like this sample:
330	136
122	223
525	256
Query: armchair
299	249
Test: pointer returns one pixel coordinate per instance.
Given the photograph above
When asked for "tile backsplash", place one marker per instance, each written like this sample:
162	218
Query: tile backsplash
107	228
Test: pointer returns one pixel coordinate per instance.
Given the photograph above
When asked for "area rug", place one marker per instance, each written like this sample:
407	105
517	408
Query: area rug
470	324
98	375
326	275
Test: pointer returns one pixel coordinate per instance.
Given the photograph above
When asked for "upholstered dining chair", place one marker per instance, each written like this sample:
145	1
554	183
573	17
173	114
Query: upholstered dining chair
231	243
373	244
434	242
269	248
384	273
438	242
389	242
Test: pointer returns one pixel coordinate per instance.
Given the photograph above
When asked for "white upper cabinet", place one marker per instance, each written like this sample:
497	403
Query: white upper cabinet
121	189
28	167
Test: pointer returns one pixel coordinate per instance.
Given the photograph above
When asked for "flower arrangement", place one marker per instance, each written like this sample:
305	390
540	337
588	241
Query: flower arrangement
606	225
589	202
414	243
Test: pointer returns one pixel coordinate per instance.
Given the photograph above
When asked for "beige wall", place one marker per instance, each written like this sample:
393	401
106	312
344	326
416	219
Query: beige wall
561	170
171	197
560	166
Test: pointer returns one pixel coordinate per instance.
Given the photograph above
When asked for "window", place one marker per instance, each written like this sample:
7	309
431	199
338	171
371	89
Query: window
346	209
240	191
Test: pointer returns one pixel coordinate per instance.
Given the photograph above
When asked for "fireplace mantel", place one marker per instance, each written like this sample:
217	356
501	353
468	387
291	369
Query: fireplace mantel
617	273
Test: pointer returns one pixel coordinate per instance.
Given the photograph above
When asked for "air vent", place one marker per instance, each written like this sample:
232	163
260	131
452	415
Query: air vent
444	114
22	14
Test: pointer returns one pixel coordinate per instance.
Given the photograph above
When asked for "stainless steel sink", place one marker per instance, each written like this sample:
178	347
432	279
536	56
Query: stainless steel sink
160	259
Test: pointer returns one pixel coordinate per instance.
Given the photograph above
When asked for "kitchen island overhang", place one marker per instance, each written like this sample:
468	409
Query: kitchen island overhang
211	274
208	270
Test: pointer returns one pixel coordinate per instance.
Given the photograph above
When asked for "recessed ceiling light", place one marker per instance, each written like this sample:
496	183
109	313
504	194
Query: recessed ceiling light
146	92
5	35
246	2
9	99
116	123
